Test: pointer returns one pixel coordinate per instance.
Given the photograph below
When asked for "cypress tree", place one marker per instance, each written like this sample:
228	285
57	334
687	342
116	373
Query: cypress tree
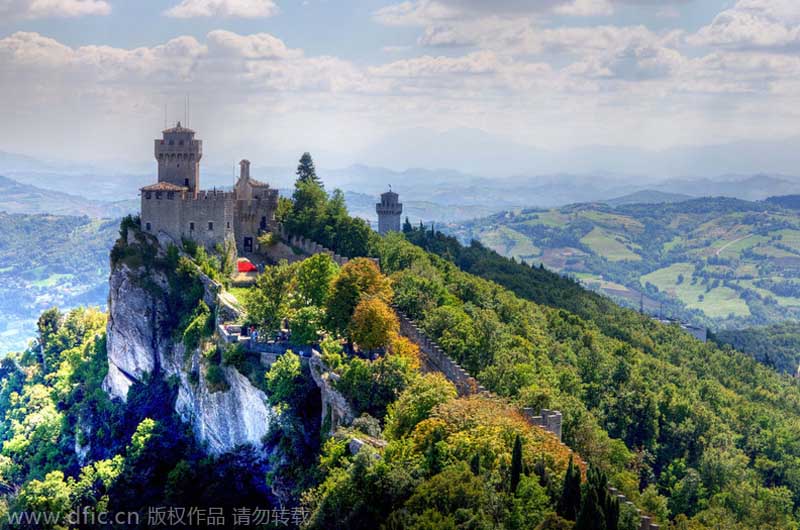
541	472
407	228
570	502
516	464
475	464
599	511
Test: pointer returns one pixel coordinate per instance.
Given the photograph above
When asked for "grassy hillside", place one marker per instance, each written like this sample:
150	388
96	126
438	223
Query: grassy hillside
716	261
45	261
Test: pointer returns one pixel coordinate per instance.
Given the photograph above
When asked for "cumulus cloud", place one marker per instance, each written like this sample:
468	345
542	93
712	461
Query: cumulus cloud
503	67
754	24
223	8
30	9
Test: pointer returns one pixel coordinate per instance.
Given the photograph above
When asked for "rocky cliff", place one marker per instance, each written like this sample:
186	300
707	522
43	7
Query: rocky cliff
142	342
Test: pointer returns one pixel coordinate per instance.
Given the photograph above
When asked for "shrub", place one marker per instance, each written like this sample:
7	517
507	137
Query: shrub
234	355
200	326
215	379
282	376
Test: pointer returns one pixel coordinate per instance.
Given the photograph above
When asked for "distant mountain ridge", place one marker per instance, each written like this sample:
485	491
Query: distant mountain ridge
16	197
648	197
791	202
547	185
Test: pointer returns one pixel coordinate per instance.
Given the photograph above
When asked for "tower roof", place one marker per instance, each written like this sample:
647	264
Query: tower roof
178	129
390	194
164	186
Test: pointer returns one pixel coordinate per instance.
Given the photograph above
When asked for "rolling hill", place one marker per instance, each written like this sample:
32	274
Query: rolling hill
717	262
18	197
49	260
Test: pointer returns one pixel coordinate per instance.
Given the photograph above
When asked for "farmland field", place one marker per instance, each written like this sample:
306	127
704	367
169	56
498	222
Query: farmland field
716	262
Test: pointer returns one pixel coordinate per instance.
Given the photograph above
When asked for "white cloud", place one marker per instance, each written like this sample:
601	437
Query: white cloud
223	8
30	9
585	8
753	24
517	71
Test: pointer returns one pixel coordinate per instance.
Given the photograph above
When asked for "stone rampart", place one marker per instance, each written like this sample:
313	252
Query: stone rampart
307	246
336	411
436	360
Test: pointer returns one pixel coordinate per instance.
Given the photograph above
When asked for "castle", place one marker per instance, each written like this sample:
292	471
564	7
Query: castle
176	208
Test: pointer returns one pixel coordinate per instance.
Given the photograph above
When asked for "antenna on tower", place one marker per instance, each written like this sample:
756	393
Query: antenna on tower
165	115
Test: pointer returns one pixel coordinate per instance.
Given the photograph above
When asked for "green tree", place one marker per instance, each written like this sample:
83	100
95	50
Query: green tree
416	402
305	324
268	301
516	464
599	510
306	172
314	278
570	501
48	325
282	377
371	386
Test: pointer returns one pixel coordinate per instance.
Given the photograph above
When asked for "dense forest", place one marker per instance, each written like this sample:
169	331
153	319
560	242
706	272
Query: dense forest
776	346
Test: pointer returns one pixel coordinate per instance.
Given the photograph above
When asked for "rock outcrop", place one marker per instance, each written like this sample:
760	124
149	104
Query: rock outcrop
226	419
139	343
336	411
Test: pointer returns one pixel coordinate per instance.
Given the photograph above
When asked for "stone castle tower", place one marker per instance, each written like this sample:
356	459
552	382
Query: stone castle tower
389	212
178	155
176	208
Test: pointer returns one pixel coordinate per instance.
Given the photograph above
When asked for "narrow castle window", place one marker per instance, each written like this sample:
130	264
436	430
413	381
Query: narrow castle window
191	227
210	225
148	195
170	195
158	195
186	182
228	225
147	226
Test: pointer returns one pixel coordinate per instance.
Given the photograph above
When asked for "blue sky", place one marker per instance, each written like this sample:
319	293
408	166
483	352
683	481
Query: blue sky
275	77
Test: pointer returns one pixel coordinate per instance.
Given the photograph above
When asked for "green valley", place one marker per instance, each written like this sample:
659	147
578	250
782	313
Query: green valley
716	262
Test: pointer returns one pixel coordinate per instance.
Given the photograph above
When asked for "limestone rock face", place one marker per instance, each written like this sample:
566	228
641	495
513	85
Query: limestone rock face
135	343
138	344
224	420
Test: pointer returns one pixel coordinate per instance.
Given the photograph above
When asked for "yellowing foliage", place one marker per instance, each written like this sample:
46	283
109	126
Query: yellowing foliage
373	324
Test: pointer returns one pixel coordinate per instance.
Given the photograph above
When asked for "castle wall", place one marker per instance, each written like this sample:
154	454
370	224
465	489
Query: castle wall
207	218
253	217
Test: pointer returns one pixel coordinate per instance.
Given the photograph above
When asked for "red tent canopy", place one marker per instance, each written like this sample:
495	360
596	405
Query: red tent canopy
244	265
